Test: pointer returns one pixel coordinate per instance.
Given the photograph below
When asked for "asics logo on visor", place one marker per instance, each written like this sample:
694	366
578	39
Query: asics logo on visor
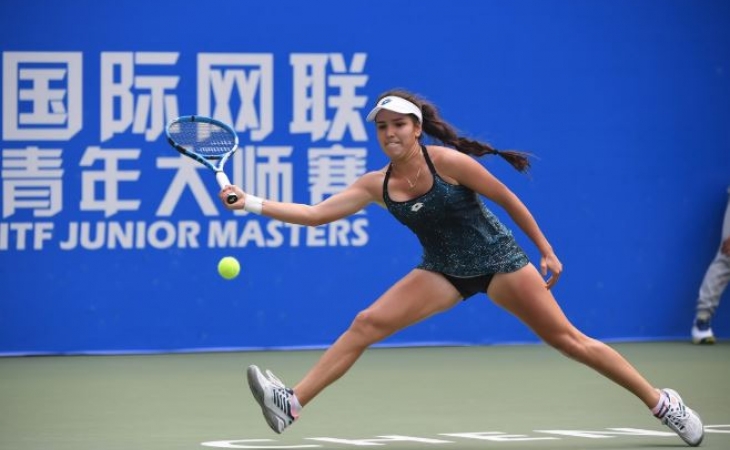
385	101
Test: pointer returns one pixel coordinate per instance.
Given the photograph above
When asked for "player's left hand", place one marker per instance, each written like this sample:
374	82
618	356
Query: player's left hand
550	263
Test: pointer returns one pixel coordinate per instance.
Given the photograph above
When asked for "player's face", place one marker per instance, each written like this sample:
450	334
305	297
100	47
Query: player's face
397	133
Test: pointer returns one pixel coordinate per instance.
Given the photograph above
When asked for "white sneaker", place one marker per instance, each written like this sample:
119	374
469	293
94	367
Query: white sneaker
273	397
681	419
702	332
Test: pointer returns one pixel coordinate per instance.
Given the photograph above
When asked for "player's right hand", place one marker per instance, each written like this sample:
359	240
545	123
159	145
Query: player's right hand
232	189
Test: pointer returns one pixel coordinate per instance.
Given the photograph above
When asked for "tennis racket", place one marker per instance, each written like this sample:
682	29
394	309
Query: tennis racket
206	140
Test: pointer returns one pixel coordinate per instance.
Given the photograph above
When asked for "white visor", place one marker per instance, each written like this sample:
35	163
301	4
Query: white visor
395	104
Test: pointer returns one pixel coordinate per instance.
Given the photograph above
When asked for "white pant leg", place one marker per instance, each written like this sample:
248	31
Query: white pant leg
716	278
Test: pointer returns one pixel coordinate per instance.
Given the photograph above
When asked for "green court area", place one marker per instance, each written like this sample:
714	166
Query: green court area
492	397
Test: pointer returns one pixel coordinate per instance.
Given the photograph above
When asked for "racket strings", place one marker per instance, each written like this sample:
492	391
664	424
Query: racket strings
203	138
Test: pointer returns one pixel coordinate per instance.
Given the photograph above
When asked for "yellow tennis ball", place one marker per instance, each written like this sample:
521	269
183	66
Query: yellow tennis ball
228	267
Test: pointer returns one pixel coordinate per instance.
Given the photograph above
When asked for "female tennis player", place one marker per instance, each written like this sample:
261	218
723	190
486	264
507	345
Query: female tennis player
435	191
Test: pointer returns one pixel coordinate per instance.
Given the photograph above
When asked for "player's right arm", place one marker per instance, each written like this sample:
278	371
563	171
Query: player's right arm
367	189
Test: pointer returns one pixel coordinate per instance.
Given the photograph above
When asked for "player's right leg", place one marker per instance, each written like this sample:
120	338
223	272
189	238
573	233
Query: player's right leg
416	296
277	402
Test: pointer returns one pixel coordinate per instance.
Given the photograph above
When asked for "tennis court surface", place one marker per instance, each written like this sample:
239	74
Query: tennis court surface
492	397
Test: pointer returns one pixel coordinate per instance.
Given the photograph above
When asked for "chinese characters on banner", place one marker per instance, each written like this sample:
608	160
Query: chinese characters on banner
54	143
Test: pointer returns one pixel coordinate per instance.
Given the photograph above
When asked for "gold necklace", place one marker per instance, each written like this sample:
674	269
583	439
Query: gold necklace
412	184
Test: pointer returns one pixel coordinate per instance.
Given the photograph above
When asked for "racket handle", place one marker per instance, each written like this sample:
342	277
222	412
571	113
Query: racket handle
231	199
223	181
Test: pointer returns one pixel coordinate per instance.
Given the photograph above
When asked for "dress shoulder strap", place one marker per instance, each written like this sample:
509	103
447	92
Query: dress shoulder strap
431	167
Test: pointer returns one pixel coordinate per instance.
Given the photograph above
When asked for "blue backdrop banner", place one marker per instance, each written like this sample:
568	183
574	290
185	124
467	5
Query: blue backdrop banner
109	239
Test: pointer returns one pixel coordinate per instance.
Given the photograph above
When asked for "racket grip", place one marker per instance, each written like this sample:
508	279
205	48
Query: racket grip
223	181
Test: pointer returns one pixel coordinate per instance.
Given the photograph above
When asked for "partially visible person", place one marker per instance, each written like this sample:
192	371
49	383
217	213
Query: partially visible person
713	285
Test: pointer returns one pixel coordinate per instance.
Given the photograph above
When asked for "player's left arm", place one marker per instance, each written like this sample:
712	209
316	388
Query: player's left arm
467	171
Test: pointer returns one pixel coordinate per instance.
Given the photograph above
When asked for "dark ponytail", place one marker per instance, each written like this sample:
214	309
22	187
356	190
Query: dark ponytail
436	127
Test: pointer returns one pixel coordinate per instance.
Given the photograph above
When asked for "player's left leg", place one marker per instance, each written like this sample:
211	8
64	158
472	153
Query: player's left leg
523	293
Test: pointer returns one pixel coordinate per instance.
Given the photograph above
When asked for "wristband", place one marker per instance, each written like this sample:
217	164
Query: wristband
253	204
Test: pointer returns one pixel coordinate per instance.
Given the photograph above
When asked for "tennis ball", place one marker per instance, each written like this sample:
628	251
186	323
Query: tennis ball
228	267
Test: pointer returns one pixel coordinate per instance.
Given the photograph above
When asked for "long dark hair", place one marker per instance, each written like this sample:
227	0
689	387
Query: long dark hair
436	127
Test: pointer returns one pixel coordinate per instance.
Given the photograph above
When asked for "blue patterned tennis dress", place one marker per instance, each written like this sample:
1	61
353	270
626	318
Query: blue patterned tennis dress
459	235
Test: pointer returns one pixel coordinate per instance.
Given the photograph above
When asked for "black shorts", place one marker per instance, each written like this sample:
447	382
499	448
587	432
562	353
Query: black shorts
470	286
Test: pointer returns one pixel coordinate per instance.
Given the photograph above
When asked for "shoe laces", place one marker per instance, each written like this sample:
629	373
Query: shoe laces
677	415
